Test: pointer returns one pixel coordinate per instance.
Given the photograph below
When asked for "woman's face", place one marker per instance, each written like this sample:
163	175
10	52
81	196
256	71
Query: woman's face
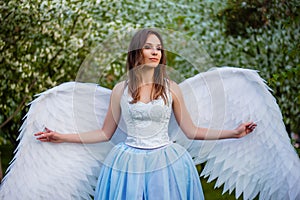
152	51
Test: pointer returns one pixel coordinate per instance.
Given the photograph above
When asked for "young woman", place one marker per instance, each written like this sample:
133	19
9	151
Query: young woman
147	165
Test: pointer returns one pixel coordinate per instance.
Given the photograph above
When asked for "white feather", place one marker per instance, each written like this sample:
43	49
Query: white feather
264	162
65	171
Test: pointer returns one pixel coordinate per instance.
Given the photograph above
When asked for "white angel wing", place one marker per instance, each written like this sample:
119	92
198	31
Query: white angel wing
264	162
65	171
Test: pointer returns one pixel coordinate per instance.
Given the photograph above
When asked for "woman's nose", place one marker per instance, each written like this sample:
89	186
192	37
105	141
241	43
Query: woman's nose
154	51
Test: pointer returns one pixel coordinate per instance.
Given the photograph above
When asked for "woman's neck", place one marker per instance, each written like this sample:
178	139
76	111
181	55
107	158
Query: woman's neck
147	75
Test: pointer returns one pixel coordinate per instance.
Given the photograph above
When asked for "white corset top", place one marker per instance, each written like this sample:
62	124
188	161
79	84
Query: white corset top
146	123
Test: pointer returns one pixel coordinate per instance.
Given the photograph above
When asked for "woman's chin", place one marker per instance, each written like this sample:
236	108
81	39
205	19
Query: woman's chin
152	65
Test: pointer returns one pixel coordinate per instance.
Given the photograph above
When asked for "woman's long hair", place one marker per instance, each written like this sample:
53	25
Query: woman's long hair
135	61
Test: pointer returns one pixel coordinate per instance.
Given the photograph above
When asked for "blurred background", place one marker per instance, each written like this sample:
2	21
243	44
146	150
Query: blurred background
44	43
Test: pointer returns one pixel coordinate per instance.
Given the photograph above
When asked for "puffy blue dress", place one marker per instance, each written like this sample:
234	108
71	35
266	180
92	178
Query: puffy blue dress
148	165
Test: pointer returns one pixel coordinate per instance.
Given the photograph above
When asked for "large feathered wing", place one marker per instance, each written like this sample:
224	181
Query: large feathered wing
264	162
65	171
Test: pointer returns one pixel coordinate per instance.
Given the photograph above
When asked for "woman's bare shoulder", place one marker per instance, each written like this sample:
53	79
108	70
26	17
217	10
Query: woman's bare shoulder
174	87
118	89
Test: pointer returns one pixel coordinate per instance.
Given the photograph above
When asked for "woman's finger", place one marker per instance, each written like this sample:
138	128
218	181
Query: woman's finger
248	123
44	140
47	130
251	125
39	133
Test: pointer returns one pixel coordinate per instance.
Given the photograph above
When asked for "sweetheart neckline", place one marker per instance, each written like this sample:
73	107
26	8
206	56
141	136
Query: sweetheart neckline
151	101
129	98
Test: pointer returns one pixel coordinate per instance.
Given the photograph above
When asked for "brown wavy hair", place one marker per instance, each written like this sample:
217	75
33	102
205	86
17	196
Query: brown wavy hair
135	61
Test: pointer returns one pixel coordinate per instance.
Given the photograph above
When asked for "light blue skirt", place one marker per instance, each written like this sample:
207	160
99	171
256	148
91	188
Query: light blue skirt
136	174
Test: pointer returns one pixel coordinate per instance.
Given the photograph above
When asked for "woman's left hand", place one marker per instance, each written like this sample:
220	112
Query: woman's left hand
245	129
49	136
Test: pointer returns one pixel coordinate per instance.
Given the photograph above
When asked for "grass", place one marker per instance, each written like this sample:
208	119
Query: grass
210	193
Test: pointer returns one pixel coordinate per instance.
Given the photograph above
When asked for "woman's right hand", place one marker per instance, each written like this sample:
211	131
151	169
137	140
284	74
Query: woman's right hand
244	129
49	136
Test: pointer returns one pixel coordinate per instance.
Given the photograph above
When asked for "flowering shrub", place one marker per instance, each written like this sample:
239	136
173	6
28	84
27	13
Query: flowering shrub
44	43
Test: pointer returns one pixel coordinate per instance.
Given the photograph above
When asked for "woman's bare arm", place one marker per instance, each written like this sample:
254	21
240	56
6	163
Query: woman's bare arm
199	133
101	135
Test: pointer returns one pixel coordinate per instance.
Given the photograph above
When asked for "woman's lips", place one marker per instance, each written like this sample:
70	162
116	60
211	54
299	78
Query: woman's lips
154	59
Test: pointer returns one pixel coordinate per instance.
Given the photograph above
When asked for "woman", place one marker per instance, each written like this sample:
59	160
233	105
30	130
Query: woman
147	165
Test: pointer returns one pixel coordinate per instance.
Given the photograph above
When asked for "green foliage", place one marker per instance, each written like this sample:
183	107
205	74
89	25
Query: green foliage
43	43
263	35
3	141
242	14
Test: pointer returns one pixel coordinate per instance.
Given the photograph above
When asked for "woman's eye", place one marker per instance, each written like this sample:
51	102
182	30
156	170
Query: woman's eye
150	47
